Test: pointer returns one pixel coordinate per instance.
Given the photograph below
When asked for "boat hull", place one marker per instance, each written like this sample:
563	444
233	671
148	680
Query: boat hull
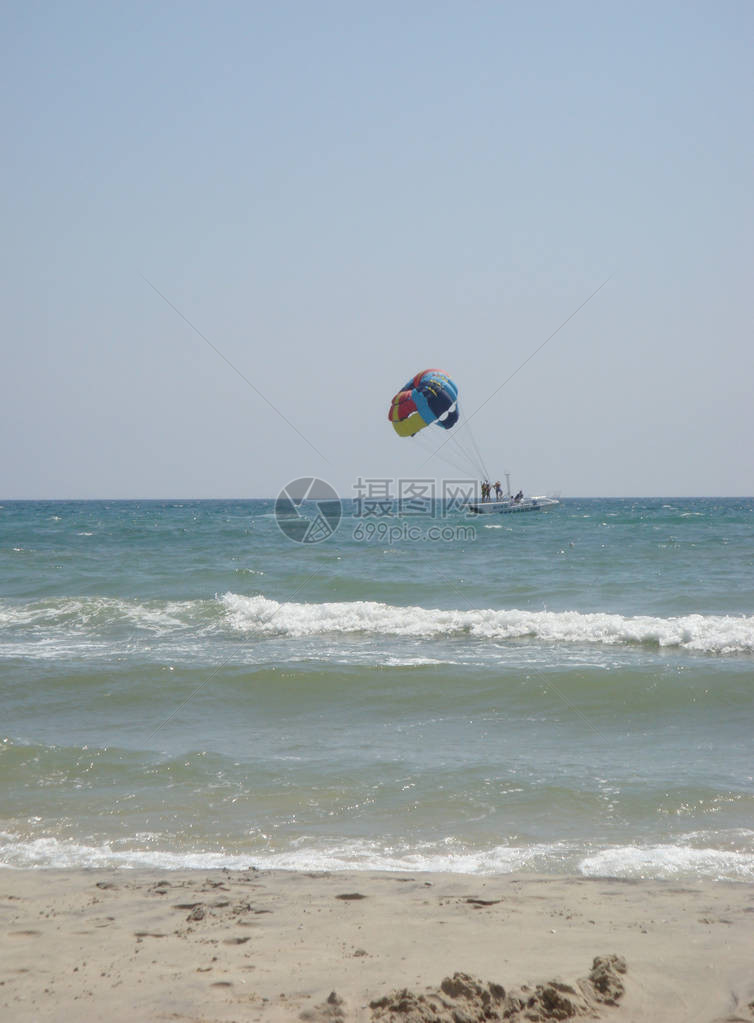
510	506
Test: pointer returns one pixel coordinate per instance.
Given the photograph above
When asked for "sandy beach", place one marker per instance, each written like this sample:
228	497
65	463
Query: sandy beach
253	945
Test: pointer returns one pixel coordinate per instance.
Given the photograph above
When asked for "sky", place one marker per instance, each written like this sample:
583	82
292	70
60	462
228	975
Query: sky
232	231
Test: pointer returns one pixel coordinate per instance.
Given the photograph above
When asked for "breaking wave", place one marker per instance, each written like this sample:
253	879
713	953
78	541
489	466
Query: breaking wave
701	633
662	862
90	618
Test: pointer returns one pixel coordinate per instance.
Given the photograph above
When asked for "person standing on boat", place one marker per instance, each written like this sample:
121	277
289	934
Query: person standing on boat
498	490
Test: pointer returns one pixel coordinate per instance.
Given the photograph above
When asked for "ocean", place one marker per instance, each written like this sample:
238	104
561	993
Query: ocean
568	691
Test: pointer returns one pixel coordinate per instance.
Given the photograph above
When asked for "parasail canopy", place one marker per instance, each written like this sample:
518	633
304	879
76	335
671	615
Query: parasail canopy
429	397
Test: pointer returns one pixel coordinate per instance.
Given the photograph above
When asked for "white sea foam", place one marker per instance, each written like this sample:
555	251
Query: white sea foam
55	853
664	862
413	662
50	852
703	633
82	612
90	618
448	856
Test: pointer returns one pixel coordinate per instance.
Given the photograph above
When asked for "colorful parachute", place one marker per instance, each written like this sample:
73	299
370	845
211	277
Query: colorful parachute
430	397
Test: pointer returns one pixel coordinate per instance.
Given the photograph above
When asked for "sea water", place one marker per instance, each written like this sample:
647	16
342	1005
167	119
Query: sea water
567	691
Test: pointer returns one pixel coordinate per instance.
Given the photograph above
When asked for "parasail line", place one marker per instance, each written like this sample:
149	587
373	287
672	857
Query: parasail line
528	359
233	367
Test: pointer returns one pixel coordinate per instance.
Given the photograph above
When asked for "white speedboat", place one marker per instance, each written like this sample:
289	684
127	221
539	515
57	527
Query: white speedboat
509	504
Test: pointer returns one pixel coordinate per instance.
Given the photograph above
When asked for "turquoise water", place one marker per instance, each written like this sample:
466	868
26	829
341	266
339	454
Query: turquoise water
565	691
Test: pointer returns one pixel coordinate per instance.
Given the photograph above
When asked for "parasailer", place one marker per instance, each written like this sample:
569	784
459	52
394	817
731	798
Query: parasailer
429	397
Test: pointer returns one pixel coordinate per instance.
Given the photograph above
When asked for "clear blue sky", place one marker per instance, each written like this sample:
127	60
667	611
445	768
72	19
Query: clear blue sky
339	194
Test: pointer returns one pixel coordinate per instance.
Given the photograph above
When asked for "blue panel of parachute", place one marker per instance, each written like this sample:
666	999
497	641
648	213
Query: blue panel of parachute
440	394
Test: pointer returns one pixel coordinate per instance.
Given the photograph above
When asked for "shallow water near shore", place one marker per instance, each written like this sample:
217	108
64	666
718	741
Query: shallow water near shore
567	691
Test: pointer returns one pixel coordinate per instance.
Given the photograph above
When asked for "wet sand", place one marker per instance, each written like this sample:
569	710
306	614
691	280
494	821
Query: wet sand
255	945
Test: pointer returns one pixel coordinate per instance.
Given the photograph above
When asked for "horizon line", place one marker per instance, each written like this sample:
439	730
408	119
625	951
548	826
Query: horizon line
560	497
